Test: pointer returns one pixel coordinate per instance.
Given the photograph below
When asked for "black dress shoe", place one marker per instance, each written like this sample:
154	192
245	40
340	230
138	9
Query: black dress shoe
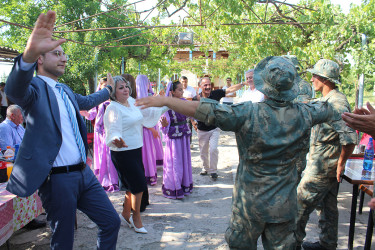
313	246
214	176
34	224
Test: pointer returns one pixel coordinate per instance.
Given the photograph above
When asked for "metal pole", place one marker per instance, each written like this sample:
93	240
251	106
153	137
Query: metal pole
96	70
122	66
361	77
159	82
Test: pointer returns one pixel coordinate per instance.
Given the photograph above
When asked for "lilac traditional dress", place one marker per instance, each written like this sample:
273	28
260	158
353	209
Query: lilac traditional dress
149	157
177	173
152	150
159	153
104	169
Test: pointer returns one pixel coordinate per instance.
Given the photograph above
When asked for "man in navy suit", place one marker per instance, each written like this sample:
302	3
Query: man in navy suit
52	154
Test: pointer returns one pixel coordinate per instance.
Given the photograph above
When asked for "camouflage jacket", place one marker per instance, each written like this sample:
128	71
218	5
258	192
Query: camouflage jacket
269	137
305	92
327	138
305	95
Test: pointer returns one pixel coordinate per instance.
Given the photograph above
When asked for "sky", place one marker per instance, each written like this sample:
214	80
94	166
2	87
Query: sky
345	6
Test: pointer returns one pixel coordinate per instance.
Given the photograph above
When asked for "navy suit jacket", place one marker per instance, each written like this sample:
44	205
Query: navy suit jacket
42	140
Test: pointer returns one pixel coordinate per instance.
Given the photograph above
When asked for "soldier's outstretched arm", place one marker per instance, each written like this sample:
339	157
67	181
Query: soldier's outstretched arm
180	106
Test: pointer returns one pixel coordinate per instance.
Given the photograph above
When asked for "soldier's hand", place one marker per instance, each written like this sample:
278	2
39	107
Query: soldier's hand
339	172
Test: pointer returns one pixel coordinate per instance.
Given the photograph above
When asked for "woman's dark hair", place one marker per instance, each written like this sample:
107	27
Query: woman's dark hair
174	85
131	80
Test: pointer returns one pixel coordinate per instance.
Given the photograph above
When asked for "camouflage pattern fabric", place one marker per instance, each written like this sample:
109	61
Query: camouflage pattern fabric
269	137
304	96
305	92
327	69
319	186
277	235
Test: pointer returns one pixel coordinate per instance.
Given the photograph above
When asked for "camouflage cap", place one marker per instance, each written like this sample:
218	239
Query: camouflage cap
294	60
276	78
327	69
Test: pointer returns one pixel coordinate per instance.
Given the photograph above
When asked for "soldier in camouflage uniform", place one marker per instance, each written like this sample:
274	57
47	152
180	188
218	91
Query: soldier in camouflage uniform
331	144
305	95
269	137
305	90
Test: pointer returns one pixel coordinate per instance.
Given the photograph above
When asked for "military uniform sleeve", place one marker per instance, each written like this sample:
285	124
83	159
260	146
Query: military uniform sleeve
227	118
321	112
347	135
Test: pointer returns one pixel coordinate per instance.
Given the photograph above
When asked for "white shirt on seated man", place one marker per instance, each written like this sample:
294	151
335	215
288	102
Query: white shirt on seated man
251	94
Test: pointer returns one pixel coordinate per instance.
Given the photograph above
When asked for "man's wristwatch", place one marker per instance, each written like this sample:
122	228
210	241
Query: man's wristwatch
110	89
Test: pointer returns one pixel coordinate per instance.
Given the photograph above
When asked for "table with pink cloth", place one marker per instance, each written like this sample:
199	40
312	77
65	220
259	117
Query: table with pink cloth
16	212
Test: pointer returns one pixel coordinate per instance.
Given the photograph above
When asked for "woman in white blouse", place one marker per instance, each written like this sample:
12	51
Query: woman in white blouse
123	123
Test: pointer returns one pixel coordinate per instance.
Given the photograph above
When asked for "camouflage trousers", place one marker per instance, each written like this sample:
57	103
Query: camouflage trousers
315	192
243	233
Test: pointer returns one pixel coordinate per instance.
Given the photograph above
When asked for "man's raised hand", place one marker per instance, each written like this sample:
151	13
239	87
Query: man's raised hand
40	40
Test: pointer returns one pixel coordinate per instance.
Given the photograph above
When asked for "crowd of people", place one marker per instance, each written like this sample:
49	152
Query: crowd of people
276	122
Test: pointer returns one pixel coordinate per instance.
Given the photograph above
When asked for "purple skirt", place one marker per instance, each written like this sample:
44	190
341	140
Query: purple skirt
177	172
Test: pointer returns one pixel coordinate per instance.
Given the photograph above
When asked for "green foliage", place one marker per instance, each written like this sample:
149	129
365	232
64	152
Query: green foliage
330	34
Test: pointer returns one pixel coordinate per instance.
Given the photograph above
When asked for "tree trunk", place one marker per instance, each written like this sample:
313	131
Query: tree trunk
91	82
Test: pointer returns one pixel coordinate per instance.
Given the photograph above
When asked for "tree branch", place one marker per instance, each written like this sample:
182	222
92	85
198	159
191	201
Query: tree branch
288	18
180	8
354	34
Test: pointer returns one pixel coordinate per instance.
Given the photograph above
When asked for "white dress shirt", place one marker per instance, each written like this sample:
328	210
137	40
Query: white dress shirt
69	153
128	122
252	95
189	92
228	97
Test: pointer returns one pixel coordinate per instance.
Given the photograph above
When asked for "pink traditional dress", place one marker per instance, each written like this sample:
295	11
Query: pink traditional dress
104	169
177	171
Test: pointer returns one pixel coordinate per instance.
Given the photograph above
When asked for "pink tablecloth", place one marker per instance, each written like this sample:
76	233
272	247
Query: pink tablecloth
16	212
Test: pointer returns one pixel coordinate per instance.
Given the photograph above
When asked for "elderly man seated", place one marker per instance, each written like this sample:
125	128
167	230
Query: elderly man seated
11	133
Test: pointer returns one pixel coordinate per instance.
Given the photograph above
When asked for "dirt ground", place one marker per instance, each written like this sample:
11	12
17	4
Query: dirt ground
198	221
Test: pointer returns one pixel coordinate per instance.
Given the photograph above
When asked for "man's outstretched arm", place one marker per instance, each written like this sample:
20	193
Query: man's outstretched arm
361	119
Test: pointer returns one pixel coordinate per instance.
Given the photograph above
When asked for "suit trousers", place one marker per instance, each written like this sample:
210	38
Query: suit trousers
208	142
62	194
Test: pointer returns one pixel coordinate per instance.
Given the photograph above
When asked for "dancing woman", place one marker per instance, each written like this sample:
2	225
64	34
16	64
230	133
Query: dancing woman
124	122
